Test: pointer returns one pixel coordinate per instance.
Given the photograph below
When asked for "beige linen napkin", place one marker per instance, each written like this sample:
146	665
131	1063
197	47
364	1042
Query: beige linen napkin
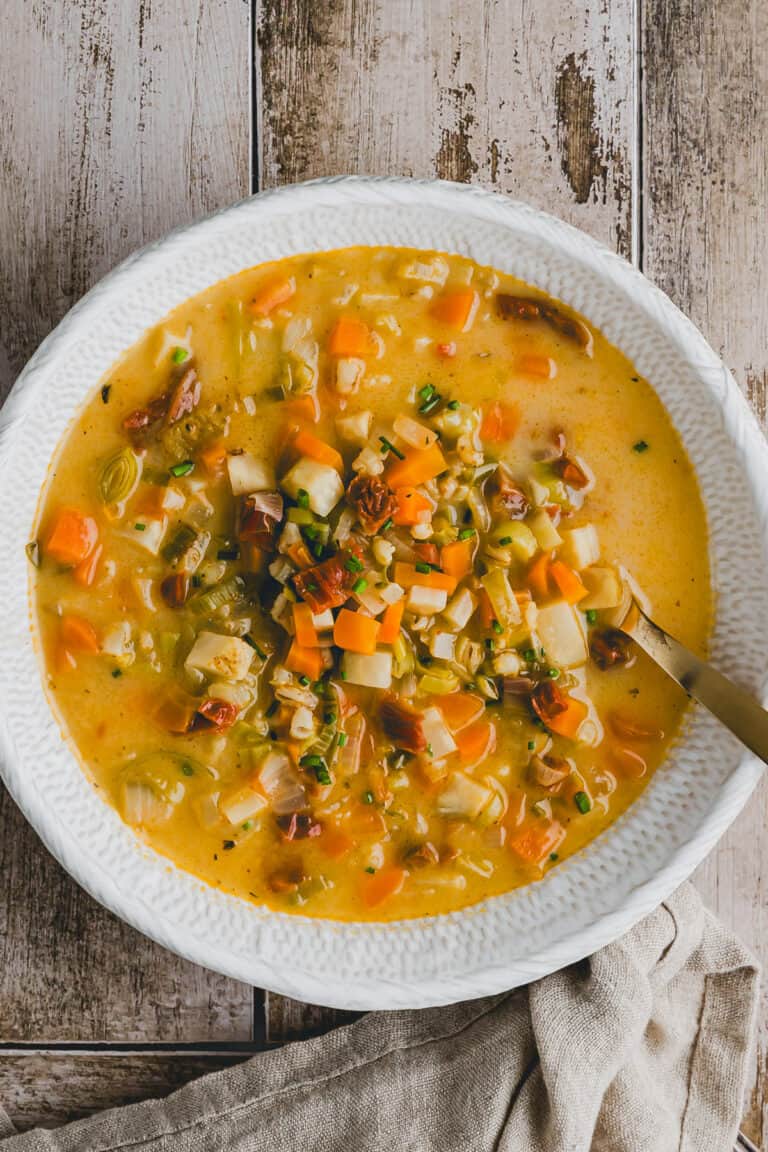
643	1047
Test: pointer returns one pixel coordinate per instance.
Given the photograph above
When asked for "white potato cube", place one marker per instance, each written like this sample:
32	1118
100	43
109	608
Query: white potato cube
118	644
604	587
426	601
247	474
147	533
355	428
242	805
562	635
322	484
369	671
463	798
458	612
437	735
507	664
442	645
547	536
580	547
323	621
226	656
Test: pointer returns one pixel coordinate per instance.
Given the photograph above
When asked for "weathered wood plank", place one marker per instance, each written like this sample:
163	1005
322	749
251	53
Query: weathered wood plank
705	242
497	94
120	120
287	1020
48	1089
534	100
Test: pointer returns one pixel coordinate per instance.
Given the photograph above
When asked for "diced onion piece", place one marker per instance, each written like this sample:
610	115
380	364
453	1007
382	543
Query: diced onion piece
392	592
442	645
604	587
426	601
463	798
412	433
242	805
349	372
323	621
143	806
506	664
226	656
547	536
562	635
437	735
580	547
247	474
117	642
369	671
147	533
302	723
321	482
281	785
434	271
503	600
355	428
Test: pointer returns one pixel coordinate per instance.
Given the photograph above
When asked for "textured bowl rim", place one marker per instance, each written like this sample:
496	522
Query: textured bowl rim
485	977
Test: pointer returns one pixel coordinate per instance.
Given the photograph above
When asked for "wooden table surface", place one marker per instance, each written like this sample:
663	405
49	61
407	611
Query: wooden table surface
641	121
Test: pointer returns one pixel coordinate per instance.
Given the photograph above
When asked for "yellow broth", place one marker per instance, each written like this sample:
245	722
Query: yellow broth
368	828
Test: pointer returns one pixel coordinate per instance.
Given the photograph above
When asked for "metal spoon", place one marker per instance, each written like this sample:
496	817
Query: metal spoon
732	706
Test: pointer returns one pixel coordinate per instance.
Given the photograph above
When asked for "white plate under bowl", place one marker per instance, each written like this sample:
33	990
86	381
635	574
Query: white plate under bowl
508	940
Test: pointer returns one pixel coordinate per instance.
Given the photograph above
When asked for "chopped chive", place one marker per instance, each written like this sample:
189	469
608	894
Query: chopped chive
252	643
182	469
187	769
553	673
497	628
422	566
304	681
105	393
553	856
640	446
430	405
490	644
529	655
429	750
140	527
312	761
505	540
343	674
453	405
116	673
341	739
370	871
312	588
311	530
388	446
582	802
323	775
329	718
228	554
427	392
247	826
367	797
387	525
466	533
352	564
272	708
531	745
319	687
179	355
302	498
591	616
228	845
360	585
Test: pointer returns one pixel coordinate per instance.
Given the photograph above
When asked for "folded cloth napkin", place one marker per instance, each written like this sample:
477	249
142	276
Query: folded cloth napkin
645	1046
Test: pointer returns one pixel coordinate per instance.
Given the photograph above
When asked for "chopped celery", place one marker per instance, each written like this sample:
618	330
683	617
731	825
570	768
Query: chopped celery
215	598
119	477
437	680
402	657
503	600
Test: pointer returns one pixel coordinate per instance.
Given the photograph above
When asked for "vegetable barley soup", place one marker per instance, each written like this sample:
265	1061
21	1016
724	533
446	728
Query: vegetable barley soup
328	578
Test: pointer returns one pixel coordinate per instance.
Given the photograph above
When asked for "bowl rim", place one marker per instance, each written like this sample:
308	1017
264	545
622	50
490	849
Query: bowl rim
488	978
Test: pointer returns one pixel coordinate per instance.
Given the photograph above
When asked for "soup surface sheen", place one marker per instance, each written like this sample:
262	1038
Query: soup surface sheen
327	577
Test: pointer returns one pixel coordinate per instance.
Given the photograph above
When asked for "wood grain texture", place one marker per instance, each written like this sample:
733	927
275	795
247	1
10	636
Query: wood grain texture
48	1089
286	1020
121	119
531	99
705	242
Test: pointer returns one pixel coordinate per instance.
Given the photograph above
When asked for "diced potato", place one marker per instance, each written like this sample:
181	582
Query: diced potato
604	586
147	532
349	373
369	671
442	645
167	342
117	642
502	598
321	482
458	613
562	635
412	433
547	536
580	547
463	798
434	271
521	542
355	428
171	499
323	621
426	601
242	805
247	474
226	656
438	737
391	592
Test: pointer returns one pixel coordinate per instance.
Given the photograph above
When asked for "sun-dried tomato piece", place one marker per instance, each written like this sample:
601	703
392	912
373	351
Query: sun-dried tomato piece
185	397
571	472
548	701
373	501
260	515
610	648
298	826
403	725
175	589
328	584
145	417
219	714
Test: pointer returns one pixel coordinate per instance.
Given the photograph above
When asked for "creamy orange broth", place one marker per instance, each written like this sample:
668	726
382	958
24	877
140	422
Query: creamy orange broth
369	829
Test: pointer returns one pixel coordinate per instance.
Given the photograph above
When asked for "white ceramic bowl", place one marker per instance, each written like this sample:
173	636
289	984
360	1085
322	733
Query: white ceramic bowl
508	940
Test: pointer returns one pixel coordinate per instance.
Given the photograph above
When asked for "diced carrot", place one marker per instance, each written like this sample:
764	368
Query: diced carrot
568	722
500	422
485	608
272	295
457	309
537	840
419	467
456	559
355	632
540	367
305	443
350	337
300	555
72	537
305	407
305	661
306	633
78	635
568	582
335	843
460	709
408	575
410	504
475	742
381	886
538	577
214	458
85	572
446	351
390	622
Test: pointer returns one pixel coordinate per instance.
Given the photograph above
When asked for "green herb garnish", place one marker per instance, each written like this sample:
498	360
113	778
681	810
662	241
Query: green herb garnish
422	566
582	802
352	564
497	628
341	739
388	446
304	681
531	745
371	871
430	405
187	769
640	446
529	655
116	673
591	616
505	540
389	523
228	845
453	405
182	469
360	585
322	775
140	527
302	498
553	673
427	392
466	533
553	856
179	355
367	797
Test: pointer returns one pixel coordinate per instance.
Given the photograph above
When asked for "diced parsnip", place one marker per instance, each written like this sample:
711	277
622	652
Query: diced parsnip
323	621
604	587
562	635
226	656
302	723
580	547
355	428
237	807
147	532
412	433
440	742
463	798
426	601
503	600
372	671
247	474
434	271
117	642
391	592
507	664
349	372
321	482
458	613
547	536
442	645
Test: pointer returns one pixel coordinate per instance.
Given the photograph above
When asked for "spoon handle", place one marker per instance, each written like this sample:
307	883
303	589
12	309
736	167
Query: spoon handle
732	706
